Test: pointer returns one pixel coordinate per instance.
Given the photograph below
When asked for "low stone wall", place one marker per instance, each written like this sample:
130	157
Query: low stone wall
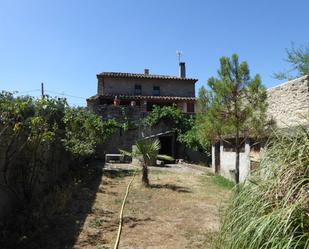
288	103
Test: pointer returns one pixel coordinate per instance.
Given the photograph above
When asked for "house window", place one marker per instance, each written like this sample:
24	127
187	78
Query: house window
156	91
190	107
138	90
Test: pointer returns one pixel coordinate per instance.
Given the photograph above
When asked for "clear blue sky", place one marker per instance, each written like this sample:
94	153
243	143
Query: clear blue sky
65	43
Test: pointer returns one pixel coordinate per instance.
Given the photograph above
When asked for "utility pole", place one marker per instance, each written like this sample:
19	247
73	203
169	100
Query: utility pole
42	89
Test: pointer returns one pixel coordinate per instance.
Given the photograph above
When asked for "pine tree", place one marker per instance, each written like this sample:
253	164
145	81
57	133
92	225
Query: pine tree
298	58
236	105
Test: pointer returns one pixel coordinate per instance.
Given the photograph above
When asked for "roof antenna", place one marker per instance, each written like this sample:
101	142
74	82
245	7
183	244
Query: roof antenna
179	54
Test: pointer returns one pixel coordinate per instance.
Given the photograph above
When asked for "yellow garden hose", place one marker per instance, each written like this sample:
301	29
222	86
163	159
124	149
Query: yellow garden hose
121	211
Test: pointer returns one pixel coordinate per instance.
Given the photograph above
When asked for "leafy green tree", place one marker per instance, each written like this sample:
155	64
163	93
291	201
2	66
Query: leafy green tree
85	130
28	128
181	124
299	60
32	130
235	105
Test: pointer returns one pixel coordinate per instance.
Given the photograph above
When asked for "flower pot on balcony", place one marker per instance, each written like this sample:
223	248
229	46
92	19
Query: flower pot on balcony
116	101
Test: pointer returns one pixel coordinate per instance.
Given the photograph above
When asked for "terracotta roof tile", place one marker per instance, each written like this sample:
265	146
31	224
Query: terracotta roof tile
141	97
143	76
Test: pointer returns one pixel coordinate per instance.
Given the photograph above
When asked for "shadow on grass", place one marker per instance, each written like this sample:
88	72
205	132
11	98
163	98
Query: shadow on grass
118	173
172	187
61	231
133	222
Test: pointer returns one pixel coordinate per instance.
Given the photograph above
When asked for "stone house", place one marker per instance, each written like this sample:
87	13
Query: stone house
288	106
131	96
144	90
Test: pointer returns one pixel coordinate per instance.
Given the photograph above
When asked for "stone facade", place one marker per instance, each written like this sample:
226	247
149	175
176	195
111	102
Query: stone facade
288	103
129	97
120	113
145	90
172	87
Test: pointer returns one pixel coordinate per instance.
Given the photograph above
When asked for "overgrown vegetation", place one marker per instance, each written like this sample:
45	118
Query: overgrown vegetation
40	139
84	130
183	125
272	208
32	131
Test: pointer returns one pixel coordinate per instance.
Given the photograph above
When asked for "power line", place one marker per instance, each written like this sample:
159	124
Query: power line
34	90
67	95
43	92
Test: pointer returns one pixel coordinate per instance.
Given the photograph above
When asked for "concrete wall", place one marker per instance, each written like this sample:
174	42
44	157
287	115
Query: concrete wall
288	103
181	88
228	162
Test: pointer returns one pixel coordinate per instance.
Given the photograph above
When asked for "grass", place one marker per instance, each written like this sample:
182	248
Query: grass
179	210
222	182
272	209
96	223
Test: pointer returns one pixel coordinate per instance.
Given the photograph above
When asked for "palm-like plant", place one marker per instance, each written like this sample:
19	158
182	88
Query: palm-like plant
148	149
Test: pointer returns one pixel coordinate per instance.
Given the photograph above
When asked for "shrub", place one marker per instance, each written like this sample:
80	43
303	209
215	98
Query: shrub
32	131
84	130
183	125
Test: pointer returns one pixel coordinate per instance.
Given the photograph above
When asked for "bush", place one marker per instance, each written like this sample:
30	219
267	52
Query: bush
272	208
39	140
183	125
84	130
32	131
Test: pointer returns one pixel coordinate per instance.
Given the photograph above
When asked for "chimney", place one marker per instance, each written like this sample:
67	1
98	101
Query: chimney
182	70
146	71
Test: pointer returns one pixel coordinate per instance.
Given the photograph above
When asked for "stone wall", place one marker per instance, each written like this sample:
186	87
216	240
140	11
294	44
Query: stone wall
120	113
288	103
180	88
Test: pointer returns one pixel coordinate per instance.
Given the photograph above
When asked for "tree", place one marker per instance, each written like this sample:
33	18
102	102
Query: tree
299	60
181	124
85	130
148	149
236	105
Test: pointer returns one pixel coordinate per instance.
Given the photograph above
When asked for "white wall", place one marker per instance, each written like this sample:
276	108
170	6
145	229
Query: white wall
228	161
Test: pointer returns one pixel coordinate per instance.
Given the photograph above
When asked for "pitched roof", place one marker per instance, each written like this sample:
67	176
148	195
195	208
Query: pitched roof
141	97
142	76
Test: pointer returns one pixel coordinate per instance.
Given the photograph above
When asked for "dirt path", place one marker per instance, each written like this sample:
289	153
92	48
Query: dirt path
180	210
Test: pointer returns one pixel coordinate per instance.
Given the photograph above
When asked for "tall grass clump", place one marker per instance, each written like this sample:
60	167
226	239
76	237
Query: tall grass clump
271	210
